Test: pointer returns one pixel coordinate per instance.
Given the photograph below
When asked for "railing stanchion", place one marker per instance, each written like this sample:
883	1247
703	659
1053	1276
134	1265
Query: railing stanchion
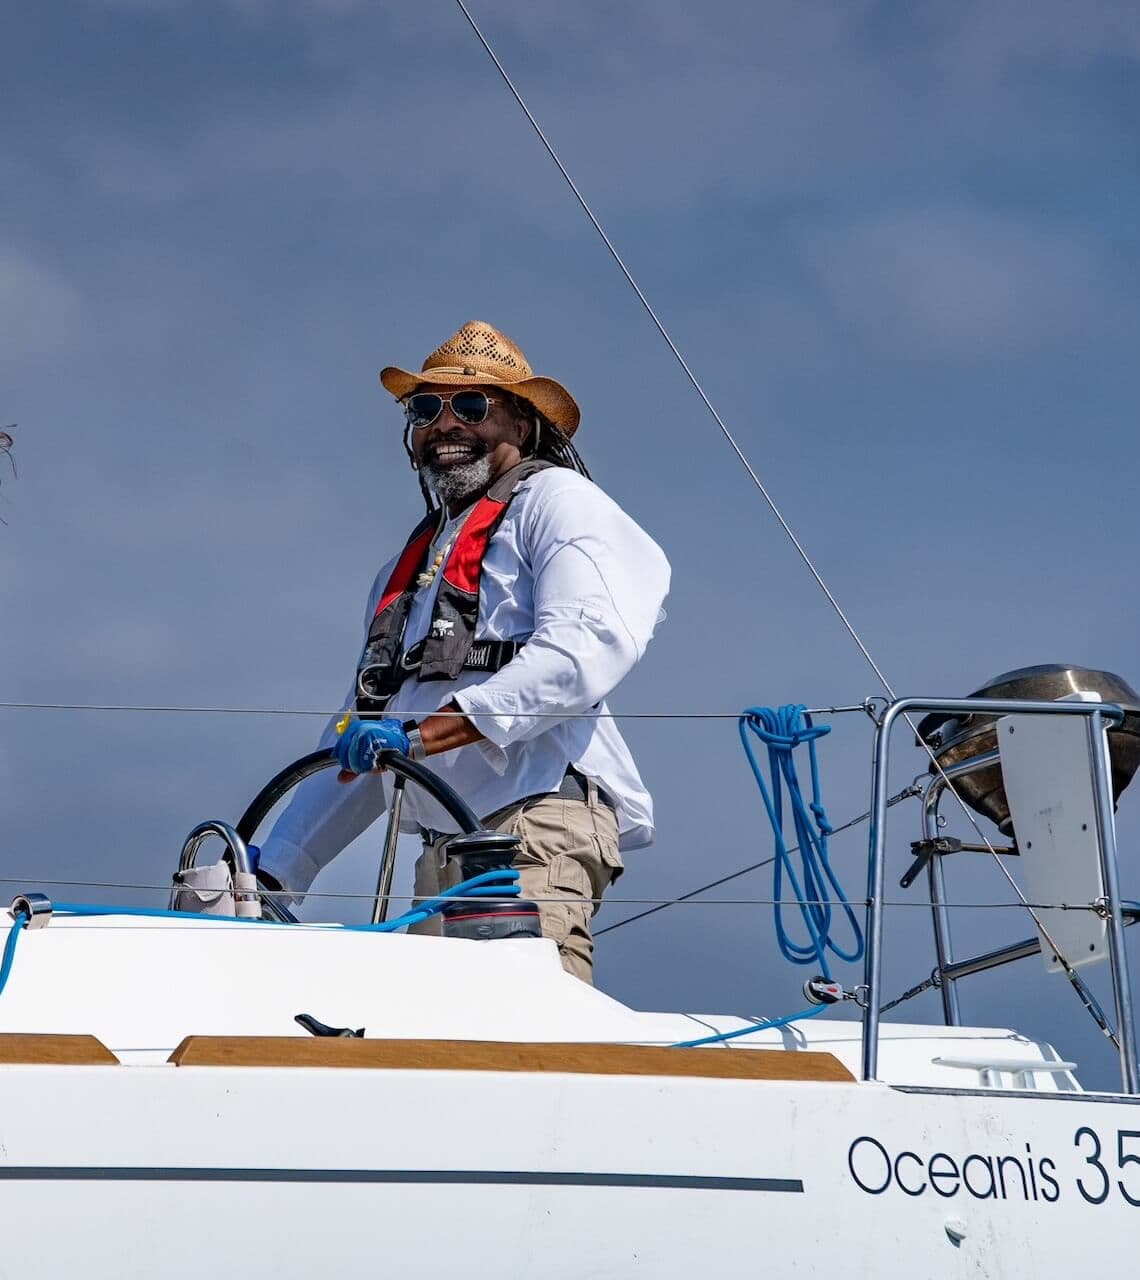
943	946
1118	955
1097	716
876	869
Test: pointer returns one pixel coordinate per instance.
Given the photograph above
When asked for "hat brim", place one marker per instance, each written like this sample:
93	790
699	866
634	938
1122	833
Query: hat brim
550	398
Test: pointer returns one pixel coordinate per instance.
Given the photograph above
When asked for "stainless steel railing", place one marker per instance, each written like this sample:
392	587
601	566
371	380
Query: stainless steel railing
1098	716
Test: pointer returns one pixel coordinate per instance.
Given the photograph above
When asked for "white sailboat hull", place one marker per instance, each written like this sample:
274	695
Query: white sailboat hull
149	1167
176	1171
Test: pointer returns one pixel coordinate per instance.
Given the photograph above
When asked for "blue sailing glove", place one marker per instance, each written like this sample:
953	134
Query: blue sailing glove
358	747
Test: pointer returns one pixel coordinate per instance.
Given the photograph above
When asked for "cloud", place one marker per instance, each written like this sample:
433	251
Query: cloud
43	313
234	211
657	108
987	39
957	281
246	9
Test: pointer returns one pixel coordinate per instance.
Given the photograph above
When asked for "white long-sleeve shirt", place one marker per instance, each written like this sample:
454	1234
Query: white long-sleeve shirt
568	571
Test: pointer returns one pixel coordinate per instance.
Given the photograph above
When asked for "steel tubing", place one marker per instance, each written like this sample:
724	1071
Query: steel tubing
876	866
1118	955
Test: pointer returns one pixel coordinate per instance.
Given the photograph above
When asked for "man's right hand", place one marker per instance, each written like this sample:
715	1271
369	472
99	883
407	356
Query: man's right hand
358	748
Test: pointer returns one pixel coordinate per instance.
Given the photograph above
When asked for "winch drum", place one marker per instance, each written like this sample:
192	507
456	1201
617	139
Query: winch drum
955	740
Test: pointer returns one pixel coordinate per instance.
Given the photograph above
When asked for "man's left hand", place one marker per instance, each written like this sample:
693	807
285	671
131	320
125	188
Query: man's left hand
358	747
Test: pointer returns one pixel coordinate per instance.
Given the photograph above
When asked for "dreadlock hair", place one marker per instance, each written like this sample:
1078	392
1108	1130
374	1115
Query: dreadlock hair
545	442
430	501
550	443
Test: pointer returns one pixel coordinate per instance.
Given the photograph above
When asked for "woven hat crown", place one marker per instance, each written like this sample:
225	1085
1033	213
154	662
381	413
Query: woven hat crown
480	349
480	353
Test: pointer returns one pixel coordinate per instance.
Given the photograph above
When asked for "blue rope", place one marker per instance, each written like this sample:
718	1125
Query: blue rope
814	884
747	1031
497	883
18	924
489	884
782	730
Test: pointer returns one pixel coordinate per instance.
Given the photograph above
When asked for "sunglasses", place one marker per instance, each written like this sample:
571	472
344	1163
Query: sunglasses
423	408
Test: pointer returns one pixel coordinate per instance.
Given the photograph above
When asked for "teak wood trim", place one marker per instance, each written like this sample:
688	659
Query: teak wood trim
33	1048
478	1055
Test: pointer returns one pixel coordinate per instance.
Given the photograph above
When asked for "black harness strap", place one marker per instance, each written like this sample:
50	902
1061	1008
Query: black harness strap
450	645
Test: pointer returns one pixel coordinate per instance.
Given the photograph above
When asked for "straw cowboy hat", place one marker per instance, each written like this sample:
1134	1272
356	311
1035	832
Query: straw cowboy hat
479	355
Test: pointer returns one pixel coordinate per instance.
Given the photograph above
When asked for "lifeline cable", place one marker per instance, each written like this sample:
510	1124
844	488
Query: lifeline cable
488	884
442	711
328	715
1073	977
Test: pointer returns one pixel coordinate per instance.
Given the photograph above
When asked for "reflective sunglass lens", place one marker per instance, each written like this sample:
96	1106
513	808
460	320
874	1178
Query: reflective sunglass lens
423	409
470	406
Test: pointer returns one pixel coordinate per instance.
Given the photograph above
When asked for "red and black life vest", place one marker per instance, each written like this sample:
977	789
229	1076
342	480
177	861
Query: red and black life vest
450	645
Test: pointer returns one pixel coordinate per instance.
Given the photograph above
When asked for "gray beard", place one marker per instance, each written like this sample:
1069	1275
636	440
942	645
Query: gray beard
452	484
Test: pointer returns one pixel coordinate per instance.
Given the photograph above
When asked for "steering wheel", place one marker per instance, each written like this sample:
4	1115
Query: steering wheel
480	848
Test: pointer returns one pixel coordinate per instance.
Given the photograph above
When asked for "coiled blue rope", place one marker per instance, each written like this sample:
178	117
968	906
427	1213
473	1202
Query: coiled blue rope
813	886
502	883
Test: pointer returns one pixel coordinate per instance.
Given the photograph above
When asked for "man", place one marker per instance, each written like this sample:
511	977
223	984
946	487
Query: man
492	641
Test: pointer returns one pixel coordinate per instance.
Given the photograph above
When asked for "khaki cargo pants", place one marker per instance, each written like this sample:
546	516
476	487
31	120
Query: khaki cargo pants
569	856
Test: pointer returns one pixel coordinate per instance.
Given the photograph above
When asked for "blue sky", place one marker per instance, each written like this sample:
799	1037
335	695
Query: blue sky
896	242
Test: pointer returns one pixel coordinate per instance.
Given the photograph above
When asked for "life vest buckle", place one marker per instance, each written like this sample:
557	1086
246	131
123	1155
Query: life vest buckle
412	659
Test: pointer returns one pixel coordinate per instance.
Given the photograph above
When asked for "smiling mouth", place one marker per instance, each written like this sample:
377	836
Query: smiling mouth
452	454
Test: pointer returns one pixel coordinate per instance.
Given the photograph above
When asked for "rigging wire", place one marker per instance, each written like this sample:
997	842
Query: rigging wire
443	711
787	528
762	489
913	904
913	790
1074	979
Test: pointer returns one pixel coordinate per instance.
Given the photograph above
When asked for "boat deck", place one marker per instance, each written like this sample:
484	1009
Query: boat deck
198	991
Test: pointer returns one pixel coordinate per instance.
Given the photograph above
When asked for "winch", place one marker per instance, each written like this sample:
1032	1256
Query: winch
955	740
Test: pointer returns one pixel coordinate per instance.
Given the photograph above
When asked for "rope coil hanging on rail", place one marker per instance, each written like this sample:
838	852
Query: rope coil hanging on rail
782	731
